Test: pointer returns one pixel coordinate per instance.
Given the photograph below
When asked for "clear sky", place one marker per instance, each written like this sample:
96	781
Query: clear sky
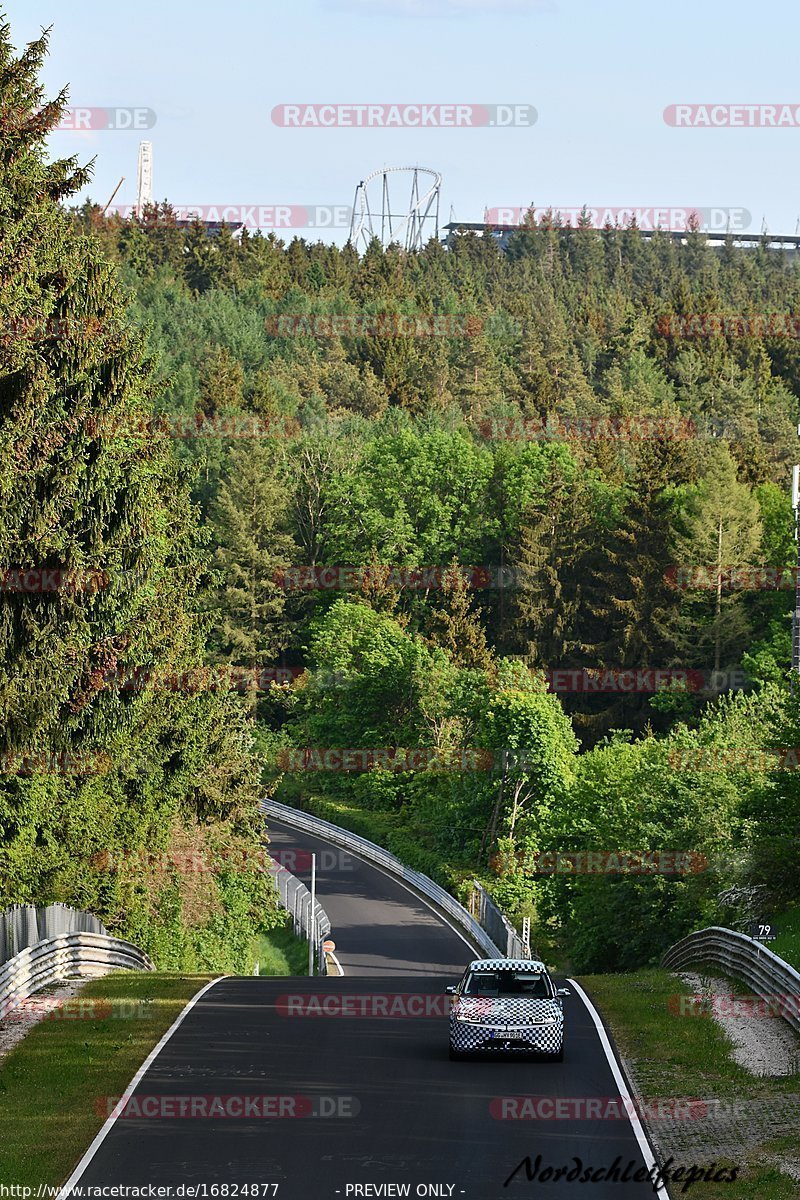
599	74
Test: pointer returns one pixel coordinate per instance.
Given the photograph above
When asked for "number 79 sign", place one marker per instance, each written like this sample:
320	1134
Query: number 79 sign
763	931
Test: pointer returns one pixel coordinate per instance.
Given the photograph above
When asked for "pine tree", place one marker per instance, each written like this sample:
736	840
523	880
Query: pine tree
200	260
252	553
721	530
221	383
548	569
454	625
92	500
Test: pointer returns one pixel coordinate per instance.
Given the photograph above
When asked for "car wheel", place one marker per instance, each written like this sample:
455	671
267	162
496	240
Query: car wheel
558	1056
456	1055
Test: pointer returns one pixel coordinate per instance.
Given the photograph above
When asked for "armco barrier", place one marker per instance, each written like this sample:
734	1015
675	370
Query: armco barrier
744	959
71	955
295	897
382	858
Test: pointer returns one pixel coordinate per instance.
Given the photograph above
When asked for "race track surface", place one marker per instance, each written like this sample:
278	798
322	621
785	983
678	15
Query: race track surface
343	1087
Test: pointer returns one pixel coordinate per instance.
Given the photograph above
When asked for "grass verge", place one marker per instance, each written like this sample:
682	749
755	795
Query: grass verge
279	952
678	1056
787	943
53	1084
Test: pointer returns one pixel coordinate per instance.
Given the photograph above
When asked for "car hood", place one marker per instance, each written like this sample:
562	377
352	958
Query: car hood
506	1009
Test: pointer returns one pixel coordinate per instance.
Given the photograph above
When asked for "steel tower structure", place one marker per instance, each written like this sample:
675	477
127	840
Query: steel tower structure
410	227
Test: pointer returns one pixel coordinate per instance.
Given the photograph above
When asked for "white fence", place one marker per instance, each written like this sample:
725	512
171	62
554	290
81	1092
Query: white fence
295	897
382	858
745	959
72	955
25	925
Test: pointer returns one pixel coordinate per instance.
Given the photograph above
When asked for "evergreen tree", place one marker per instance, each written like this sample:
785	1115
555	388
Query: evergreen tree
100	515
455	626
221	383
548	571
721	532
252	553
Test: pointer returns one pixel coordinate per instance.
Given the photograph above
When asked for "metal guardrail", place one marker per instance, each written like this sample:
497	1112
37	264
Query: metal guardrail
743	958
382	858
26	924
496	923
295	897
69	956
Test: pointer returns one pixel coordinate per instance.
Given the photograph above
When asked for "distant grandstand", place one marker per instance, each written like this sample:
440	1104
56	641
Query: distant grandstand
787	244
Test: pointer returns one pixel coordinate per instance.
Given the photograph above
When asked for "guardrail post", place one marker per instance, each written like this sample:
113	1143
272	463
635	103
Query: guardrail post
312	916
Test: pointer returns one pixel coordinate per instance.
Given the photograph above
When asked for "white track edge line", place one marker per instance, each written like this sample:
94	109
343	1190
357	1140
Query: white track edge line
103	1132
619	1079
339	966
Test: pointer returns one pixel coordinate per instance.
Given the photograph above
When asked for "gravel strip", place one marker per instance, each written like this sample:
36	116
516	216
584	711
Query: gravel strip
15	1025
714	1129
762	1045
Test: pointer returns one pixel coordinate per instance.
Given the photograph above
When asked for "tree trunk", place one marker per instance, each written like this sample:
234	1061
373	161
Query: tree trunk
490	831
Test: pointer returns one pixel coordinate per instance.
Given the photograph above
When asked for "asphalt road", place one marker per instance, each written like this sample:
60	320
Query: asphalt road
362	1104
379	926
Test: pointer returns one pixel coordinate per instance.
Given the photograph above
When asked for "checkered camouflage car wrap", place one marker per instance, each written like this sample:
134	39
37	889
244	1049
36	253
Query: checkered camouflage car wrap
506	1023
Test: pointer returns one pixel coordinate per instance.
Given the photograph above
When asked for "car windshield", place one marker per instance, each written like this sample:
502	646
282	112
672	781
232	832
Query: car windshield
507	983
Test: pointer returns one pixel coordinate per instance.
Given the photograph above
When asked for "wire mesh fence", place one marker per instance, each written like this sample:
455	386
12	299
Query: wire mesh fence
496	923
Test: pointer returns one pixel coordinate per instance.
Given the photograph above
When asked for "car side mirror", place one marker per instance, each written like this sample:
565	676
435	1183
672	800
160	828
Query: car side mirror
563	992
450	990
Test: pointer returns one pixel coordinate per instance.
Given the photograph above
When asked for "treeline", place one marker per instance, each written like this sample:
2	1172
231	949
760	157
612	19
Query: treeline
433	484
554	434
